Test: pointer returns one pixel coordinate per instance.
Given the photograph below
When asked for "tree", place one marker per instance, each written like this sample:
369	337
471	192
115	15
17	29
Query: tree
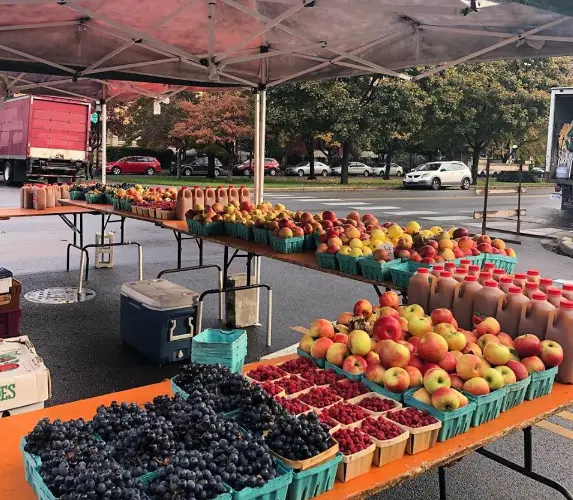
214	123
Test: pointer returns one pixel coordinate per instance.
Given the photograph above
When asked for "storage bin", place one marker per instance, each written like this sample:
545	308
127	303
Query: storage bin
488	406
231	229
355	465
287	245
349	265
11	301
515	394
10	323
300	465
310	483
206	228
453	422
541	383
326	260
157	319
309	242
401	272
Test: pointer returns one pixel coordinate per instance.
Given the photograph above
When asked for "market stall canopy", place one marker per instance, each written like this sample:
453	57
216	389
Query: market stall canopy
80	46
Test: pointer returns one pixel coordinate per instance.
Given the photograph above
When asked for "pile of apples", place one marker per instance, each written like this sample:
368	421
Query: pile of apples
400	347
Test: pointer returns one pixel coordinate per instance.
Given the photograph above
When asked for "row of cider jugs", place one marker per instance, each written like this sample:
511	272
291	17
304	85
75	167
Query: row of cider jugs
528	305
42	196
189	198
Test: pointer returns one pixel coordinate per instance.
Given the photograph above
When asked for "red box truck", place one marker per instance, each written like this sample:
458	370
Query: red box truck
43	136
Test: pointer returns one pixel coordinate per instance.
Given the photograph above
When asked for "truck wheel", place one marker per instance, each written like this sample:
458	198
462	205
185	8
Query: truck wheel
8	174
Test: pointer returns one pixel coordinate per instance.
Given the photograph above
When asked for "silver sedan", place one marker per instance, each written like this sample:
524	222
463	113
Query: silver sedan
303	169
395	170
355	168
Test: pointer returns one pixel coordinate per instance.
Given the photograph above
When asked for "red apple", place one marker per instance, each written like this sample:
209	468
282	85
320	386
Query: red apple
457	381
415	375
448	363
519	369
416	362
355	365
527	345
363	308
441	316
533	364
551	353
396	379
393	354
432	347
375	373
387	328
340	338
389	299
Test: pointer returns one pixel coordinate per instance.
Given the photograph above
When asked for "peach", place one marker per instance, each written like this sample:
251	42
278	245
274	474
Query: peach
320	347
337	353
322	328
423	396
498	243
394	354
472	348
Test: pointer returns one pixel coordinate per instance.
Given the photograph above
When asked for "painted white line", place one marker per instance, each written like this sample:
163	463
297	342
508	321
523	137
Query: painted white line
448	217
541	232
371	209
283	352
502	225
413	212
563	282
281	196
346	203
316	199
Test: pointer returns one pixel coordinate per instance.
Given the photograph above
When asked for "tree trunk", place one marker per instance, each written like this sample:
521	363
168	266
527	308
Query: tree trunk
475	162
310	150
179	151
210	165
346	146
388	162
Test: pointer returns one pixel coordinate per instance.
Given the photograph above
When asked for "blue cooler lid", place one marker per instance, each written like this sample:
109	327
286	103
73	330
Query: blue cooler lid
160	294
5	273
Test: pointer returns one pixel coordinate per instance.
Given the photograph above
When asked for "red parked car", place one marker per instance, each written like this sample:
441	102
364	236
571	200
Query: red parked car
272	167
134	165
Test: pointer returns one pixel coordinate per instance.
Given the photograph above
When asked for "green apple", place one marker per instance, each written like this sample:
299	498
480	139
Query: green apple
493	378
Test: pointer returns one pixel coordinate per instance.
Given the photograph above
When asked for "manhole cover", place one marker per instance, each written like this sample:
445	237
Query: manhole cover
65	295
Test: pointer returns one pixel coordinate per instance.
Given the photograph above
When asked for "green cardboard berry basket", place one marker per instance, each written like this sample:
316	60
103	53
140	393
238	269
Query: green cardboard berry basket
312	482
453	422
327	260
287	245
176	389
374	387
340	371
488	407
206	228
261	235
515	394
373	270
275	489
476	260
401	272
348	264
501	261
94	198
231	229
541	383
77	195
309	242
317	361
244	232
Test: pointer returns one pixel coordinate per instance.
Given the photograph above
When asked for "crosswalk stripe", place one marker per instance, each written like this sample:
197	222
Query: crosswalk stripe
346	203
371	209
556	429
316	199
448	217
413	212
566	415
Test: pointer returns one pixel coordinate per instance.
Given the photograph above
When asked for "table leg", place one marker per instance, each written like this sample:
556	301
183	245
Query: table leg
225	265
527	468
178	239
249	257
122	226
442	483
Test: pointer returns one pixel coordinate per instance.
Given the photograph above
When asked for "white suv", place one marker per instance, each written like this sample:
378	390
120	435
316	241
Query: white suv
439	174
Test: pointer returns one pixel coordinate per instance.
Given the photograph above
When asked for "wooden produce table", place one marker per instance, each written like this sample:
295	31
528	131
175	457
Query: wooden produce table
12	429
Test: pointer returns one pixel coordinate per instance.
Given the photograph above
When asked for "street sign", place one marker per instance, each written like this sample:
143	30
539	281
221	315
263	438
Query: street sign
94	118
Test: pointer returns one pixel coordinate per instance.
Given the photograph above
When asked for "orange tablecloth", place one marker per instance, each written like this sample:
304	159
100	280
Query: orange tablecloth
8	213
13	485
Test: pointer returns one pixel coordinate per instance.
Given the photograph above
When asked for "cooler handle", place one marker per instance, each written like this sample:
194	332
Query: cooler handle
172	325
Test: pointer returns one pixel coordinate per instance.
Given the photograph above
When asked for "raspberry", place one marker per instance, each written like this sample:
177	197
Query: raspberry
376	404
321	377
351	441
345	413
266	372
293	384
298	365
325	419
348	389
411	417
292	405
271	388
380	428
320	397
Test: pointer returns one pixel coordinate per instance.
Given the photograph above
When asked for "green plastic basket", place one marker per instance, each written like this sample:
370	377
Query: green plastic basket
541	383
488	406
31	462
340	371
176	389
309	242
401	272
94	198
318	362
287	245
326	260
228	348
501	262
125	205
261	235
374	387
231	229
476	260
515	394
373	270
77	195
453	422
349	265
275	489
205	228
116	203
312	482
244	232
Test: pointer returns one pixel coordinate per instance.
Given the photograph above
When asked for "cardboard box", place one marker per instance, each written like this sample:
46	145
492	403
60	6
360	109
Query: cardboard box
24	379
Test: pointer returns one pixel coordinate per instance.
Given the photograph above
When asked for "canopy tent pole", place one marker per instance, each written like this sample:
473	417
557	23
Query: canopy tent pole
263	126
103	137
256	146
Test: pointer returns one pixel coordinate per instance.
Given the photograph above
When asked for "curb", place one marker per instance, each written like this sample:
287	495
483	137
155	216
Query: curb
566	246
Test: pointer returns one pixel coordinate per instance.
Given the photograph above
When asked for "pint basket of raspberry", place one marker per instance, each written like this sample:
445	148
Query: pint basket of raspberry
317	361
348	415
293	406
298	366
454	422
319	398
390	439
357	452
272	389
264	373
321	377
423	428
375	404
348	389
294	386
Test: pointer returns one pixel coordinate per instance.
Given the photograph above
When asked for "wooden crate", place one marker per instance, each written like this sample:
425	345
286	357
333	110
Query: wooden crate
355	465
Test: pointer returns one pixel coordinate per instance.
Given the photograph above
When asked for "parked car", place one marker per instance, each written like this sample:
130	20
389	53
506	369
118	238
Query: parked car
439	174
303	168
271	167
355	168
199	166
395	170
134	165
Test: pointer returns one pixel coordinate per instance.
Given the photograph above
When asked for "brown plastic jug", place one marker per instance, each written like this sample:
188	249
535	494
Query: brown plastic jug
567	291
27	196
554	295
39	197
50	196
450	267
535	316
233	194
465	263
497	274
505	283
244	194
419	288
487	301
222	196
560	330
533	275
509	310
530	288
184	203
464	298
198	199
436	270
460	274
484	276
442	294
474	270
544	284
520	279
210	197
64	192
488	266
